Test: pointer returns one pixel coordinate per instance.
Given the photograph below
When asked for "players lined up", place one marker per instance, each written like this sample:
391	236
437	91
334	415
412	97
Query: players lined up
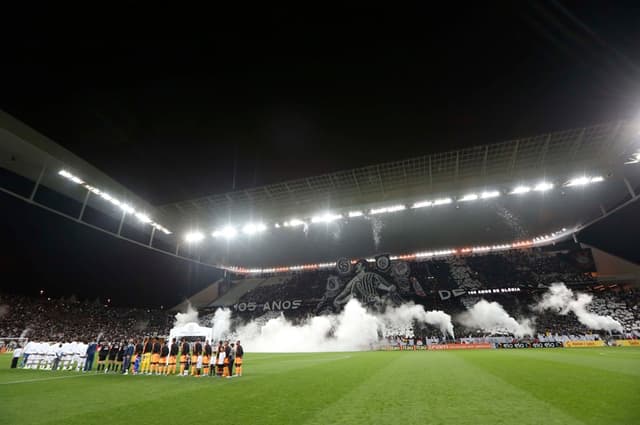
149	356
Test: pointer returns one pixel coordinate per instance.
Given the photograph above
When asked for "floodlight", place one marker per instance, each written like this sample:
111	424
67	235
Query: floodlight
355	214
383	210
295	222
143	217
65	173
543	187
252	228
597	179
325	218
228	232
442	201
469	197
520	190
193	237
422	204
490	194
127	208
578	181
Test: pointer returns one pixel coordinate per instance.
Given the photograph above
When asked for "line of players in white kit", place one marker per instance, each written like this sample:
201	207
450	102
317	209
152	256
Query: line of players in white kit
54	356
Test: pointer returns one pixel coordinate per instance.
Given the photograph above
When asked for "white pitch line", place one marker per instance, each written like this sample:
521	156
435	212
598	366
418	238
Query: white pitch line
45	379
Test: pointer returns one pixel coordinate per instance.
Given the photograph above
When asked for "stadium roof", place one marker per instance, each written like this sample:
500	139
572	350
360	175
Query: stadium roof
598	152
596	149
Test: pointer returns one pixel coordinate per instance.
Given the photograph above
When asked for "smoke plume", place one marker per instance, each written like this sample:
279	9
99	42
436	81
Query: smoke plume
190	316
354	329
221	324
491	317
562	300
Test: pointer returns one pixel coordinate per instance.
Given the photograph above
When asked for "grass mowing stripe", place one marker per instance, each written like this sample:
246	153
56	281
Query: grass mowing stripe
593	395
24	381
436	388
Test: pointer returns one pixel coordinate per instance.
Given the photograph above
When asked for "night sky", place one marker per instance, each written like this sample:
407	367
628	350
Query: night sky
285	94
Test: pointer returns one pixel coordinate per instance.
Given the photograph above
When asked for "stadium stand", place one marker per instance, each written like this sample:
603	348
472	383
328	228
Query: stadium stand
450	284
43	319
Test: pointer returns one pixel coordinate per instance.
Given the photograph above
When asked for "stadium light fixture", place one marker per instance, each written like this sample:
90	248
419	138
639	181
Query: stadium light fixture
469	197
193	237
294	223
543	187
578	181
390	209
353	214
68	175
253	228
518	190
490	194
422	204
442	201
228	232
127	208
143	217
277	225
326	218
584	180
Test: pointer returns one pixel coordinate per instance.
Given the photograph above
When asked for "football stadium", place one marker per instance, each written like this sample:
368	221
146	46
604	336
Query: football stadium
485	283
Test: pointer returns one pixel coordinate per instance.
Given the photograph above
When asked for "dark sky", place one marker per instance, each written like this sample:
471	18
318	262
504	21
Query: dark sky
291	94
285	94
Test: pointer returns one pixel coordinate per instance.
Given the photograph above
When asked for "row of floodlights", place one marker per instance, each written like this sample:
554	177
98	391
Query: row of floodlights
229	232
549	236
418	255
126	208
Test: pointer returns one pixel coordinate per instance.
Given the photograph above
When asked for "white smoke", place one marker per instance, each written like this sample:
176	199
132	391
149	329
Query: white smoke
407	313
491	317
376	230
221	324
562	300
190	316
354	329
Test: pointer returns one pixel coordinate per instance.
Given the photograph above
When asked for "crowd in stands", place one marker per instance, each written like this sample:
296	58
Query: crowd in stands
45	319
532	270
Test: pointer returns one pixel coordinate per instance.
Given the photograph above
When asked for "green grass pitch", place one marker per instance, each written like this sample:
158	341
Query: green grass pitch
546	386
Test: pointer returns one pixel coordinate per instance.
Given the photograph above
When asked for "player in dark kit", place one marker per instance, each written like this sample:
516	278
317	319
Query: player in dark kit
239	355
120	356
162	363
102	356
155	356
173	356
184	355
113	353
196	359
206	358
